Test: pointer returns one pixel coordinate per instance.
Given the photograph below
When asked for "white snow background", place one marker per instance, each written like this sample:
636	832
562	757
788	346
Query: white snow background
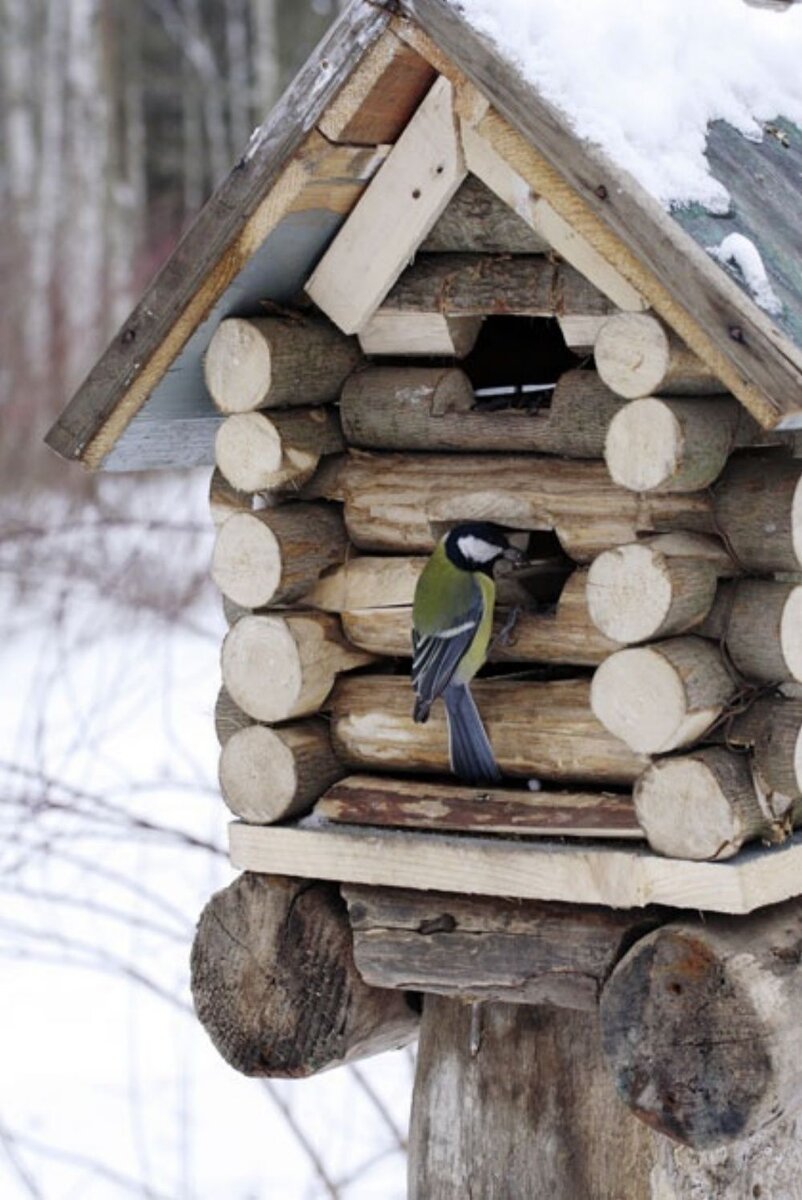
113	838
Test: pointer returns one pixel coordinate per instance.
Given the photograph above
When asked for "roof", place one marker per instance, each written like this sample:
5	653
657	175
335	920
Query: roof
262	233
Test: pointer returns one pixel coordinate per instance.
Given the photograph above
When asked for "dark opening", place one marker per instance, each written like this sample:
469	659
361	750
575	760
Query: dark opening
514	360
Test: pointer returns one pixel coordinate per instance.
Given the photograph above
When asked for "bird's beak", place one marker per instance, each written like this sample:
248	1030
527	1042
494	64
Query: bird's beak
514	555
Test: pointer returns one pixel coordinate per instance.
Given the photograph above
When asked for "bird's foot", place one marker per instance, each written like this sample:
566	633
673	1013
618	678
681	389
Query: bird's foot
504	635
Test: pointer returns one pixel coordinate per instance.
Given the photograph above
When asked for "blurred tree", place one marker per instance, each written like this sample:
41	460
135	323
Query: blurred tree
118	120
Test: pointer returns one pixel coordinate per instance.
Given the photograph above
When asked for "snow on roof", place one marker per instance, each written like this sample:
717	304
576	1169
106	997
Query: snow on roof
643	79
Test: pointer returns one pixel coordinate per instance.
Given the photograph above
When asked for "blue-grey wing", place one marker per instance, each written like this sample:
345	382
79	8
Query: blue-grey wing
436	656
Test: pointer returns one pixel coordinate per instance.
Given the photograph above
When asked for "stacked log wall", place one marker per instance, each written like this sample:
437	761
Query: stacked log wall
326	512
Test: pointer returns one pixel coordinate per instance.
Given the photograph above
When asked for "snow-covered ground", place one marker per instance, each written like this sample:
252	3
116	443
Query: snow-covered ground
113	837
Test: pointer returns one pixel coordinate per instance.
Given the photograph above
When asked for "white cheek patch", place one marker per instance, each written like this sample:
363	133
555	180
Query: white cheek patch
475	549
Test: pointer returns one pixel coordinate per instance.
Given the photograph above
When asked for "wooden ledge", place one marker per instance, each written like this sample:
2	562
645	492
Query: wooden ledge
617	875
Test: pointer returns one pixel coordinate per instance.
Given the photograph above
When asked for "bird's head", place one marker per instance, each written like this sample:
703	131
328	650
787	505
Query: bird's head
477	545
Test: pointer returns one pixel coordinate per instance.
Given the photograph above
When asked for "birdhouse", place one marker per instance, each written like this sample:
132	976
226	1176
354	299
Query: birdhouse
421	299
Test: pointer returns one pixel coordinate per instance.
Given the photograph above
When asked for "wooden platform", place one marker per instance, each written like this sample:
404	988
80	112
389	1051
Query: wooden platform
615	874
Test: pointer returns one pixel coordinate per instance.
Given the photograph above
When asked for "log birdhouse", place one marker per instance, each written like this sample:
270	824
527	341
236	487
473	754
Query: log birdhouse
419	299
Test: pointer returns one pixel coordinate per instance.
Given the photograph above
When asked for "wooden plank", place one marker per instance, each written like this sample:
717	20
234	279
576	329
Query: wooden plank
619	219
411	804
231	226
494	171
421	174
480	285
378	100
522	952
583	874
420	334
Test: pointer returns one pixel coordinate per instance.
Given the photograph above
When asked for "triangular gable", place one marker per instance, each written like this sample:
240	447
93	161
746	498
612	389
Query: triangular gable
264	231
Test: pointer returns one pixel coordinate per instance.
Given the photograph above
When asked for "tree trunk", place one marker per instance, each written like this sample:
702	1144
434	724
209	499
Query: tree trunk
671	445
269	775
477	222
513	1102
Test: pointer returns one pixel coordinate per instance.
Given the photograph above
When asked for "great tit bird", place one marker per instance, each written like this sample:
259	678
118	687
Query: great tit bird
452	617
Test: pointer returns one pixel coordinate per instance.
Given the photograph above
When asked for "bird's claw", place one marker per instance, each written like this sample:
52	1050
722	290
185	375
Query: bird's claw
504	635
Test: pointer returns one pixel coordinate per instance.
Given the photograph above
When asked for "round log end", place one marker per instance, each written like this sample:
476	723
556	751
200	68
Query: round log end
275	985
686	1043
636	592
258	775
640	696
247	561
791	633
644	446
237	366
796	522
248	451
632	354
699	806
259	649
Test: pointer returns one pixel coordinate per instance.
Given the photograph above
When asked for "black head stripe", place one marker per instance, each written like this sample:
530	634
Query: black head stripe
469	546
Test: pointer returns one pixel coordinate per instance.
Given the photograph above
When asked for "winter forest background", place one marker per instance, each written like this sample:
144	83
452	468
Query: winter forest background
117	119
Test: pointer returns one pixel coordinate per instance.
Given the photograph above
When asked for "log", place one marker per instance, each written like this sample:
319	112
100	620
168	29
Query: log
670	445
545	730
513	1102
274	556
758	511
419	334
477	948
225	499
276	362
228	717
276	667
463	285
660	697
702	805
760	623
275	986
391	500
445	807
477	222
280	452
772	729
367	582
700	1026
565	634
268	775
580	333
432	408
640	592
636	355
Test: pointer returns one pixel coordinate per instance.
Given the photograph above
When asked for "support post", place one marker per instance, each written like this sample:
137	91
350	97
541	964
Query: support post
513	1102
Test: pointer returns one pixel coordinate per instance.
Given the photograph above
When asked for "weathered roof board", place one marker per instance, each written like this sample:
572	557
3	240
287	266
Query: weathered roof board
276	273
761	362
764	180
618	875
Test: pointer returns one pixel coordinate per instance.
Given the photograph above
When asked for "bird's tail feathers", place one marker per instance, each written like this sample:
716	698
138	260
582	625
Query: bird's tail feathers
469	747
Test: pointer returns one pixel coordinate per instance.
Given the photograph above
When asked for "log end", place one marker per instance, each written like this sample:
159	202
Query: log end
791	633
247	561
686	1045
256	649
640	696
632	354
258	775
644	446
688	809
275	985
629	593
237	366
